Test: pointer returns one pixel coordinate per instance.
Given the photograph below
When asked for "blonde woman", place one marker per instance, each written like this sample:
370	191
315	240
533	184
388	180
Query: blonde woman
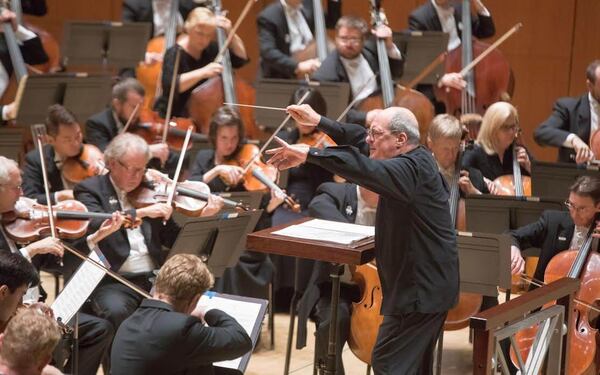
492	153
198	48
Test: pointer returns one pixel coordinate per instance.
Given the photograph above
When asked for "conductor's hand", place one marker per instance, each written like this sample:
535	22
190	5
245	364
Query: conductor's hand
213	206
108	227
288	156
584	153
48	245
8	16
452	80
155	211
210	70
303	114
517	263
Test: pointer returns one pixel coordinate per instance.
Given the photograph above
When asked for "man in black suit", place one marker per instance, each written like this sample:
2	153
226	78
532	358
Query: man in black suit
556	231
179	342
95	334
286	27
354	60
64	140
102	127
573	122
415	245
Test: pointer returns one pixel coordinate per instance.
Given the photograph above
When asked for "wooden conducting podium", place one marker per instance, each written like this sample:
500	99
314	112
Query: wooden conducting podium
266	241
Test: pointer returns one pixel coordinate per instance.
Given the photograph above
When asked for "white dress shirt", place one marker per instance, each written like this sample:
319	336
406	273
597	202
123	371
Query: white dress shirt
299	31
446	16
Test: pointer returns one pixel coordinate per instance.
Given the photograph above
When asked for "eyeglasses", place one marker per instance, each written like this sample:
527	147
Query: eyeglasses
510	127
572	207
132	170
374	134
13	187
349	40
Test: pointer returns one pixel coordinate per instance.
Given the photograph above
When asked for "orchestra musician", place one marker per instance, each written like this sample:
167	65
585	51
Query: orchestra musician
102	127
286	27
198	49
574	121
492	153
27	344
95	334
220	169
64	140
354	60
186	336
415	246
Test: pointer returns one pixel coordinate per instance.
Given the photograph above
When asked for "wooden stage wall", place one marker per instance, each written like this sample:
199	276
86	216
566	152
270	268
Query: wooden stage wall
548	55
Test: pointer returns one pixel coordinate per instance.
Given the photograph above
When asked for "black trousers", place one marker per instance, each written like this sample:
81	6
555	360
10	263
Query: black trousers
95	336
406	343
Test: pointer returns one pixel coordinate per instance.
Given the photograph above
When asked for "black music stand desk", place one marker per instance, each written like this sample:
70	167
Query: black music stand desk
265	241
419	49
553	180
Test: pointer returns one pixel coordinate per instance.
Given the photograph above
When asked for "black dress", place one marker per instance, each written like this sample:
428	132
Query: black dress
187	63
254	271
490	165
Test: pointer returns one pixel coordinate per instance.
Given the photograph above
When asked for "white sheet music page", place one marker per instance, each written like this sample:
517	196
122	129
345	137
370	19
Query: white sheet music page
78	290
244	312
330	231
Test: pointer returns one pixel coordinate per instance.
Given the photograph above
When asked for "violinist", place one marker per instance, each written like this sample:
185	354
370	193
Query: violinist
443	139
65	140
492	153
102	127
95	334
354	60
286	27
574	121
198	49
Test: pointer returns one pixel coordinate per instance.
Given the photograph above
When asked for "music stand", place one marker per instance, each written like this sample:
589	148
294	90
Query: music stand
116	44
419	49
218	240
277	93
553	180
250	199
83	94
11	142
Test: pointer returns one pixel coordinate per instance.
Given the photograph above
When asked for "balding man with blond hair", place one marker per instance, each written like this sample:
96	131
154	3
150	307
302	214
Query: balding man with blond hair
415	244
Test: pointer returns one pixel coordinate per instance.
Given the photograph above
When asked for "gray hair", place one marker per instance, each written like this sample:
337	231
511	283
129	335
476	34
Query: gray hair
122	88
404	121
124	143
6	166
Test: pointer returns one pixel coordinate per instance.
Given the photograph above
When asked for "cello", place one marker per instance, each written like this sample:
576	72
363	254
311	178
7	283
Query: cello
226	88
408	98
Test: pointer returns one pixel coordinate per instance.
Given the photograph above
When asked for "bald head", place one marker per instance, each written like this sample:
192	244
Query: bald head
401	120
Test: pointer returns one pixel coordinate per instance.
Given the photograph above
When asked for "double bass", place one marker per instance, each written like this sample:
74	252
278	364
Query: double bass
408	98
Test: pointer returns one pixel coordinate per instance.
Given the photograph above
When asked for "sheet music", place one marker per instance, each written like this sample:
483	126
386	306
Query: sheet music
79	288
330	231
245	313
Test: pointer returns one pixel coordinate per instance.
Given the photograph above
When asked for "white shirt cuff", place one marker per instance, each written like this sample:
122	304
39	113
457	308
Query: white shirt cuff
394	53
569	141
25	252
24	34
5	112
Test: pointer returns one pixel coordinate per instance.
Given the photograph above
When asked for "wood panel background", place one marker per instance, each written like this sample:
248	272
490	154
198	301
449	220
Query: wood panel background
548	55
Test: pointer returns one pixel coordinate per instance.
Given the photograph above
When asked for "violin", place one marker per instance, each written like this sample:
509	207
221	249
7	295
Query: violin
88	163
151	127
29	221
258	176
582	264
190	200
316	139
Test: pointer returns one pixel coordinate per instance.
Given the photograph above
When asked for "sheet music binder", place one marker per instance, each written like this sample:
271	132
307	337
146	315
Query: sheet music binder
218	240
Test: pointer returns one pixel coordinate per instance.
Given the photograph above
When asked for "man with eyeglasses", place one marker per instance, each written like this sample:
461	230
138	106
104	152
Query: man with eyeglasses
65	140
556	231
134	252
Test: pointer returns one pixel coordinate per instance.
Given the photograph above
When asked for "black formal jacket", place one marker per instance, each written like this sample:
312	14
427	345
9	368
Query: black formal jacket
415	244
157	340
332	70
569	115
552	233
425	18
141	11
33	182
98	195
34	7
101	128
336	202
274	38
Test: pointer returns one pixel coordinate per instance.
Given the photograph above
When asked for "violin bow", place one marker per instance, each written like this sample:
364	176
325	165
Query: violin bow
355	100
264	147
495	45
173	186
47	189
130	119
233	30
426	71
